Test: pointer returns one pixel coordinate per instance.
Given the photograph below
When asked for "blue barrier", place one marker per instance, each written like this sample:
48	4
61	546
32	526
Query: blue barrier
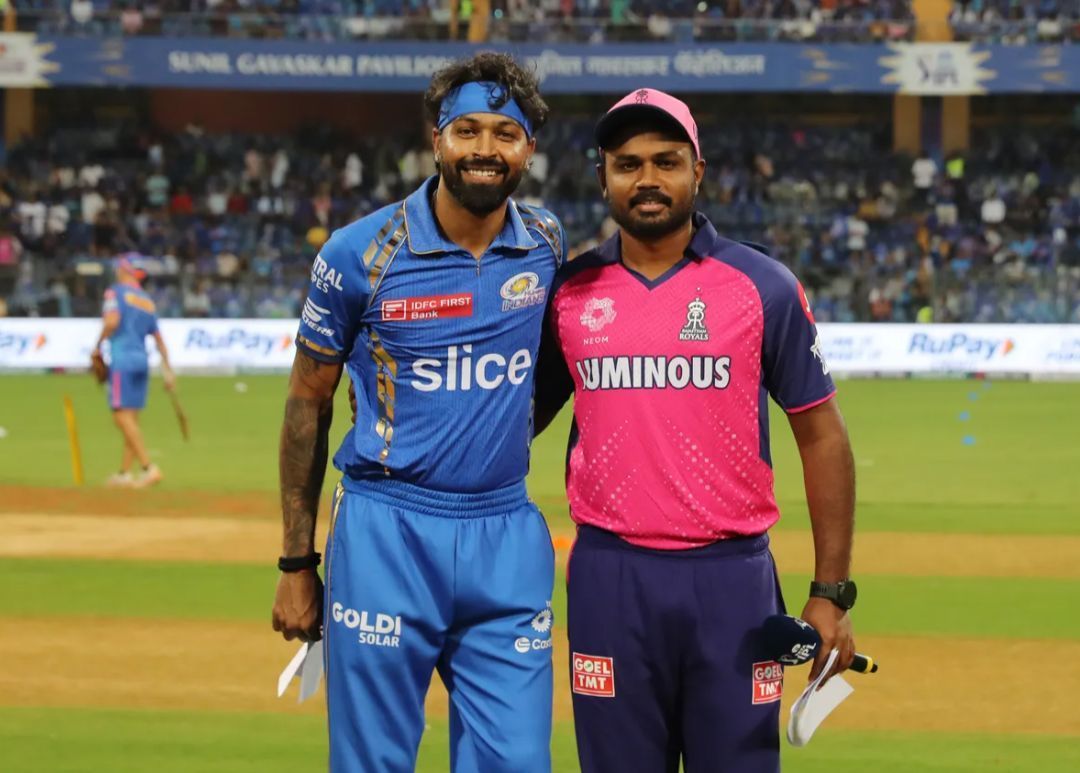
916	68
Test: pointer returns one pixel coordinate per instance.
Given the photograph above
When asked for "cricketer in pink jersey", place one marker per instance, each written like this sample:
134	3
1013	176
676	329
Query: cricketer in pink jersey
672	338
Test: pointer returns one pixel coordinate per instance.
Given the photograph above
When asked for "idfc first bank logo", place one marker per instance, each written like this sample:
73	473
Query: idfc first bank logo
236	339
961	344
18	343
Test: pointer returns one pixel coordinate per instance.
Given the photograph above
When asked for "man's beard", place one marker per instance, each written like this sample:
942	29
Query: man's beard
480	198
652	226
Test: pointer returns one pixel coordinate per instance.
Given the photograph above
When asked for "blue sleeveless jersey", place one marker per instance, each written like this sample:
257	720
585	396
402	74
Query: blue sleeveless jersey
138	319
440	346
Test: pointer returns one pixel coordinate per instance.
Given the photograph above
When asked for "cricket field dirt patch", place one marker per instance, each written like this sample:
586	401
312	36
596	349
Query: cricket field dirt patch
253	540
999	685
200	665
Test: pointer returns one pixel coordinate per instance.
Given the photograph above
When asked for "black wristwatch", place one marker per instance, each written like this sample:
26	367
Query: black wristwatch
841	593
298	563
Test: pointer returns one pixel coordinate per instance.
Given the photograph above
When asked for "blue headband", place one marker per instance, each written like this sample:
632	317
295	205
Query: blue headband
481	97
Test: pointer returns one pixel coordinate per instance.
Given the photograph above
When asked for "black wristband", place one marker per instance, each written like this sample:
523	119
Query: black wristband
298	563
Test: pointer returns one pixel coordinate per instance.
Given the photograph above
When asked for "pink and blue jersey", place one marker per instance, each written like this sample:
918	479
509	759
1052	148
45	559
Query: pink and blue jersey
138	319
671	377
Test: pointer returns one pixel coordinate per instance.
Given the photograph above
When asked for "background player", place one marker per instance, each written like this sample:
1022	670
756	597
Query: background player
436	559
671	338
129	316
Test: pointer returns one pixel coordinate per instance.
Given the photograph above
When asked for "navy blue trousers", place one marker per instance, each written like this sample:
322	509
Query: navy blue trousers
665	662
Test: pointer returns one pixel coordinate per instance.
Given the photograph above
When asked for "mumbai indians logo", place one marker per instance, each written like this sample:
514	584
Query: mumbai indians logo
694	329
522	290
598	313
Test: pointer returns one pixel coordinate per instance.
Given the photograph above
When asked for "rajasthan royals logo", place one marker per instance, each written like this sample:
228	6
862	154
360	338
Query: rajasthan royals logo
598	313
642	96
694	329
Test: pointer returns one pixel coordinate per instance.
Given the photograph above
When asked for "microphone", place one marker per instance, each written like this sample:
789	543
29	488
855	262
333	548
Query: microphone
789	640
792	641
863	664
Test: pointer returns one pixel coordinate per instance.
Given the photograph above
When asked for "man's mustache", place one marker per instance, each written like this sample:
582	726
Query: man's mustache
650	197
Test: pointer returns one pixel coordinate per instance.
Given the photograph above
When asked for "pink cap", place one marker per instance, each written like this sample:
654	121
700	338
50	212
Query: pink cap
647	101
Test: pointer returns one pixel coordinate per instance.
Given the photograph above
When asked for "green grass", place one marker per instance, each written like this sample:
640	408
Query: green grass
43	587
91	740
78	740
234	434
954	606
133	589
907	438
914	471
885	752
915	474
957	606
948	518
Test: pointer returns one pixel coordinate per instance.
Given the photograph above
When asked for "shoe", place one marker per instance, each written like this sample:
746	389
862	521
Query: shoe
120	480
151	476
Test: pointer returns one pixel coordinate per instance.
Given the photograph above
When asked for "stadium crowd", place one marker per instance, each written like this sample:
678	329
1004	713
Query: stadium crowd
229	223
1016	22
590	21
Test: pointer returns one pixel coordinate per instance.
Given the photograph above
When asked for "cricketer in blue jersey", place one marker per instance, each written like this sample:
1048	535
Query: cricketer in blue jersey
128	317
436	559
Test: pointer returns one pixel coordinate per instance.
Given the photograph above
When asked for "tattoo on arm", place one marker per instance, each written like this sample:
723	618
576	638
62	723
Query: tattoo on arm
304	448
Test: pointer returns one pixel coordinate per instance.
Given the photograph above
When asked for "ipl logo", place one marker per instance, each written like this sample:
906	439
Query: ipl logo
694	329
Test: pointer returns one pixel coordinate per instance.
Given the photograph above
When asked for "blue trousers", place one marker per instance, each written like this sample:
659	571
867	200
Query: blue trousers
127	389
418	581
